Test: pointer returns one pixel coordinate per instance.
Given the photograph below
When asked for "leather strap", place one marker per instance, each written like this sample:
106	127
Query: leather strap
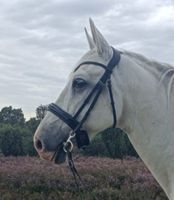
93	96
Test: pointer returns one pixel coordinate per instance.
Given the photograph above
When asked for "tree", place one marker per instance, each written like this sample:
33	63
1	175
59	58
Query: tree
115	141
32	124
11	140
112	143
41	112
16	135
27	142
9	115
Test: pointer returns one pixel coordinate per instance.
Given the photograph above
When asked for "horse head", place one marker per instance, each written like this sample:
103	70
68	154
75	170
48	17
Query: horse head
53	131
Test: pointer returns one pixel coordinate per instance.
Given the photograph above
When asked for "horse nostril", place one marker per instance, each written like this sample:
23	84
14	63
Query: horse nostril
39	145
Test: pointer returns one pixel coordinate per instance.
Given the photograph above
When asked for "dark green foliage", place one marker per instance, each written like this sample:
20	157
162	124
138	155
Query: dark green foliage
16	140
16	135
112	143
41	112
27	142
8	115
11	140
32	124
115	142
96	148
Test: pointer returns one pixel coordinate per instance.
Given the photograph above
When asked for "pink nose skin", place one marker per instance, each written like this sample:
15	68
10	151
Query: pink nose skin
39	145
41	150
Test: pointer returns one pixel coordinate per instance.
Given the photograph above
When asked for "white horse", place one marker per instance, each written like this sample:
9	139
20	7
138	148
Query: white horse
143	95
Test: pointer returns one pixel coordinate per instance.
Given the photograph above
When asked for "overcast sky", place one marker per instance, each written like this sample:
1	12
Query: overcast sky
40	41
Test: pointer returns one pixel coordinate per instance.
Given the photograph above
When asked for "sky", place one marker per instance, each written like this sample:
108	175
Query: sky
41	41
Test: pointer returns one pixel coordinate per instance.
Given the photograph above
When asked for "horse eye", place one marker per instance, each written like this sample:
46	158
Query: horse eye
79	83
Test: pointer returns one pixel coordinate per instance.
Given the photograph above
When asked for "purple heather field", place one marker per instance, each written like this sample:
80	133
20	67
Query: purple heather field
30	178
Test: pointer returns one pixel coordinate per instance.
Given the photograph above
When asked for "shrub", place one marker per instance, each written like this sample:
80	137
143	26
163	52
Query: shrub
16	141
9	115
103	178
112	143
11	140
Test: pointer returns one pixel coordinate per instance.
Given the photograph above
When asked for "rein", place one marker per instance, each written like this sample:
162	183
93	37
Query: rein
77	132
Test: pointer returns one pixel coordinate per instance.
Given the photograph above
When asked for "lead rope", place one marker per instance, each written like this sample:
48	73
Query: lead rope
77	178
68	147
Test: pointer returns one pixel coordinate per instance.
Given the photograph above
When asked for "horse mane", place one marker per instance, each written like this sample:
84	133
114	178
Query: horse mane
160	70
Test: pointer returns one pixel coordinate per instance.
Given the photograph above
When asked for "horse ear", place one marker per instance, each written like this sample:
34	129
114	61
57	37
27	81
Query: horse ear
90	40
103	47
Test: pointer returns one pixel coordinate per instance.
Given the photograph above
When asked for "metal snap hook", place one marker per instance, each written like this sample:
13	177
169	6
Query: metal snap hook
68	146
72	135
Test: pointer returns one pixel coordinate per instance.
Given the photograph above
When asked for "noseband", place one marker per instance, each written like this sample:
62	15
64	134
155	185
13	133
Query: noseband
81	135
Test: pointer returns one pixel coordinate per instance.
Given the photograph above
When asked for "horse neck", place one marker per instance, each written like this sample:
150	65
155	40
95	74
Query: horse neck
145	118
141	95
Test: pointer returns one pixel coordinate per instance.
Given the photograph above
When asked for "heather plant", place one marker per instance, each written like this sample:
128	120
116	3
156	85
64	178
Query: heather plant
30	178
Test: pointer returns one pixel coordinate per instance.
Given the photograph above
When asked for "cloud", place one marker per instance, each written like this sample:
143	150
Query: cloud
40	41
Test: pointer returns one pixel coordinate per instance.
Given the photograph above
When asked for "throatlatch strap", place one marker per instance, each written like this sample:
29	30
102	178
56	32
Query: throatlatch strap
112	103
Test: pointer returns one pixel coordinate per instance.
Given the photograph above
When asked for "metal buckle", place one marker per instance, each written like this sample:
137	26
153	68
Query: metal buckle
68	145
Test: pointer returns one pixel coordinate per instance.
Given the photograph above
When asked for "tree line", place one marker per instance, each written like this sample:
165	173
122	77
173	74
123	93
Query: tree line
16	136
16	133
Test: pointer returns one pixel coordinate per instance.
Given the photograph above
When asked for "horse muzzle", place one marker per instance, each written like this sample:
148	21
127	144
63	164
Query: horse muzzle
80	135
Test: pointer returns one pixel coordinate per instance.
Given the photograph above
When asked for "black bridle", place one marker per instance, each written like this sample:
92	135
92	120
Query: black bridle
81	136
